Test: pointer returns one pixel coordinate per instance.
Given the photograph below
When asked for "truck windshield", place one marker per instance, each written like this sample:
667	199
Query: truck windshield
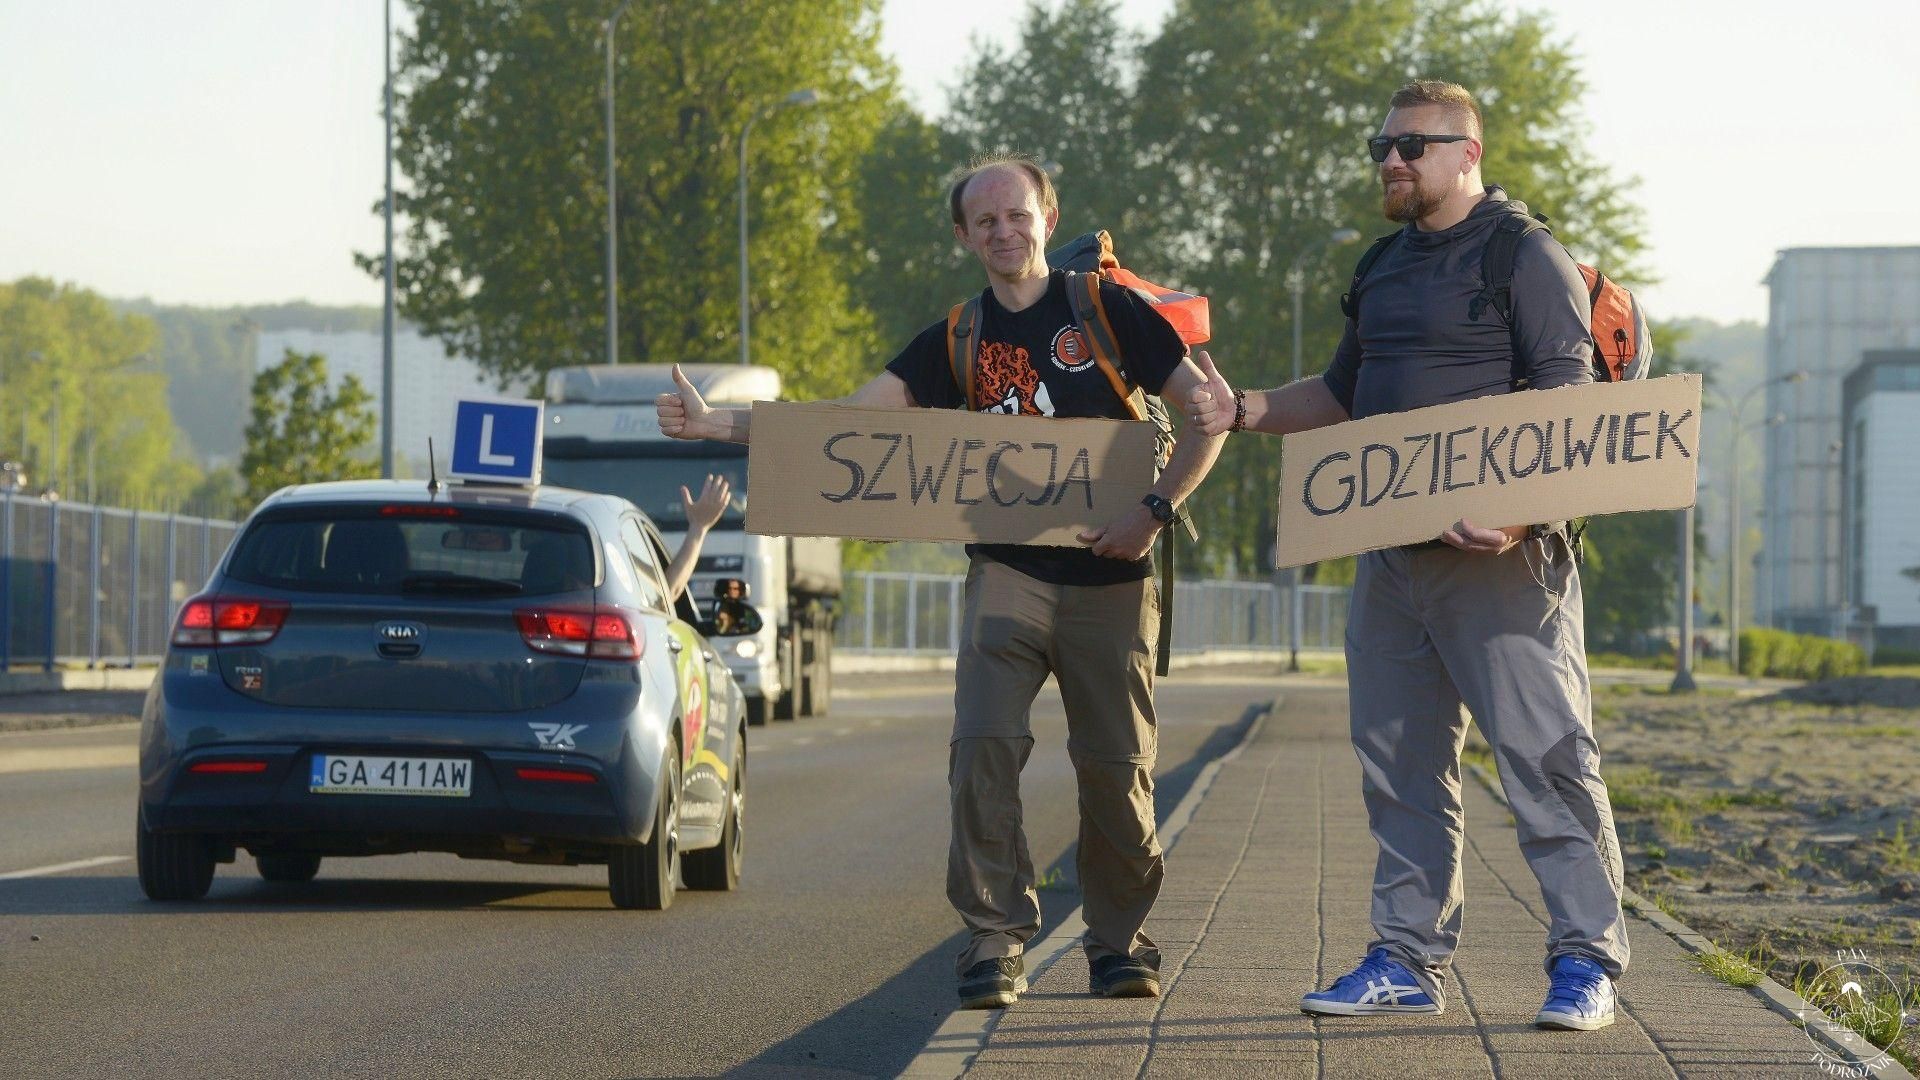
653	483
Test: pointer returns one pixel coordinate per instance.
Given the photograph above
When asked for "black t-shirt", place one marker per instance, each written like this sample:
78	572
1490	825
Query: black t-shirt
1036	363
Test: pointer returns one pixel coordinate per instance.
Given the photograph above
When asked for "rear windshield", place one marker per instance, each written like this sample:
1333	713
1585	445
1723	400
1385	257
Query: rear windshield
376	549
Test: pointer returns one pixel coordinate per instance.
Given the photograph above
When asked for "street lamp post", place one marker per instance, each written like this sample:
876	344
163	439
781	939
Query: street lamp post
613	263
1297	282
1683	658
386	304
798	97
1733	518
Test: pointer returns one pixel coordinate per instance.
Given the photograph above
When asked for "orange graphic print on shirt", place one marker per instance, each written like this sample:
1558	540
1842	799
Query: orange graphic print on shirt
1005	382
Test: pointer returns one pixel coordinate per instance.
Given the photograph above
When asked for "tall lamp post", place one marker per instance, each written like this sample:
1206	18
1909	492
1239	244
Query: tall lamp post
1297	282
1738	408
613	264
386	305
798	97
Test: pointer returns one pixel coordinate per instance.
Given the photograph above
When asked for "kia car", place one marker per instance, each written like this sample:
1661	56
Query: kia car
384	666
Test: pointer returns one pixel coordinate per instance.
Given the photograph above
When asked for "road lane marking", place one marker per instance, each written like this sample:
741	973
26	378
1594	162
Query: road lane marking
61	868
37	759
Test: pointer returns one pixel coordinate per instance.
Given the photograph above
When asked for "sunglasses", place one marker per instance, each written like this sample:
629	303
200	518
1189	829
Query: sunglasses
1411	145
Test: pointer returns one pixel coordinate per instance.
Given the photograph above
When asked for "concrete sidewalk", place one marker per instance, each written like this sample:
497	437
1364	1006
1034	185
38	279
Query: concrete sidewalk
1267	897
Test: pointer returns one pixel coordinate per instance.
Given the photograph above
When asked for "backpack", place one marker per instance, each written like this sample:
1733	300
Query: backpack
1088	260
1616	325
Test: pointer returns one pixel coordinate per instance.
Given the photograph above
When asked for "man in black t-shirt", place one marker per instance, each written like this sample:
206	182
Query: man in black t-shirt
1088	616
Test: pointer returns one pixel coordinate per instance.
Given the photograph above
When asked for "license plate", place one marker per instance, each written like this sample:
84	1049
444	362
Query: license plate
341	774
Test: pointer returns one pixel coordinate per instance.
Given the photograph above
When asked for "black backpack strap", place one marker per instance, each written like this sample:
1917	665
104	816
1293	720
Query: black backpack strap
963	345
1350	300
1496	276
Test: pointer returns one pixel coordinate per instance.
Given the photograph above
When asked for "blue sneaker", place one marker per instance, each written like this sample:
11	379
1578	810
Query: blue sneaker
1579	996
1378	985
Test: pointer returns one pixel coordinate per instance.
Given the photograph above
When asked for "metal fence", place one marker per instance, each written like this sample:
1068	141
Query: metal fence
912	613
96	585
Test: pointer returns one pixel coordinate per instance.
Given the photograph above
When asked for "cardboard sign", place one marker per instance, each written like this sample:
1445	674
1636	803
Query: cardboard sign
940	474
1509	459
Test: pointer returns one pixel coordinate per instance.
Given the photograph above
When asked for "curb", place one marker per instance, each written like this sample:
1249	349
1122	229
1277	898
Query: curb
963	1035
1859	1052
886	663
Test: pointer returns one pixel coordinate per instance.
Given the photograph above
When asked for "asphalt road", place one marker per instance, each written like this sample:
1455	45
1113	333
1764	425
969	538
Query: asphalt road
833	960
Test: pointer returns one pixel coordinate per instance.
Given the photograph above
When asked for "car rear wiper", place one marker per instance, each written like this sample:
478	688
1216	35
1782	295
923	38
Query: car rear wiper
429	582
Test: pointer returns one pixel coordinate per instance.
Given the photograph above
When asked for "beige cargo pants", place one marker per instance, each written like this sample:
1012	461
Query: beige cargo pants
1098	643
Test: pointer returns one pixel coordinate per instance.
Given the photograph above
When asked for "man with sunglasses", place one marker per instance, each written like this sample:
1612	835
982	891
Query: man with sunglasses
1488	617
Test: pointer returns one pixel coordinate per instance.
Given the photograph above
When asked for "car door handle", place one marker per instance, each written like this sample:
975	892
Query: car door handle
707	653
674	644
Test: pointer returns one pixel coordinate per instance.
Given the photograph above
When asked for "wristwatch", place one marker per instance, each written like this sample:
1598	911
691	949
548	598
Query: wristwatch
1161	509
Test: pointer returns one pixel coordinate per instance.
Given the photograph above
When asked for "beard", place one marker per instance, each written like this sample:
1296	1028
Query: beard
1409	205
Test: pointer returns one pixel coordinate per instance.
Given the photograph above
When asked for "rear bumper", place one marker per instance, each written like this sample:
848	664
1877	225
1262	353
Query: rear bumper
615	737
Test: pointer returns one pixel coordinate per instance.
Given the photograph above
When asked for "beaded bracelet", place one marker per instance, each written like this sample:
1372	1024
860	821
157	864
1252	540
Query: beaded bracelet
1239	410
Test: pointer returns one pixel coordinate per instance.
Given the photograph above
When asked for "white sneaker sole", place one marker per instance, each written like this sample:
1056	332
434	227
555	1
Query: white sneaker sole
1342	1008
1569	1022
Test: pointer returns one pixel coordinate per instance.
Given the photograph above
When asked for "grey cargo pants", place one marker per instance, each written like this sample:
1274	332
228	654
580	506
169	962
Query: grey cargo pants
1430	628
1097	641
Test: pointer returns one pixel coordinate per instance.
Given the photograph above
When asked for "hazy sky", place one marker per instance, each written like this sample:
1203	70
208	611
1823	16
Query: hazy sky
228	151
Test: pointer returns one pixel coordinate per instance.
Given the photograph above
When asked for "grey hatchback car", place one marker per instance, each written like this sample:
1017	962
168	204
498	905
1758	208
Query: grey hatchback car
381	666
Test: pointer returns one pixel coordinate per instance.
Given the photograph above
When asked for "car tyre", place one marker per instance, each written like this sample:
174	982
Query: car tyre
644	876
757	711
717	869
288	868
173	866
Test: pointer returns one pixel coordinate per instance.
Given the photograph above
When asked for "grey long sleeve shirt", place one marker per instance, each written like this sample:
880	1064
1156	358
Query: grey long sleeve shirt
1420	347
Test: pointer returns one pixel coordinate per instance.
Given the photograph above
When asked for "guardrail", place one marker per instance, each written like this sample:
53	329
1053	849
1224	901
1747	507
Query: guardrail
96	585
902	613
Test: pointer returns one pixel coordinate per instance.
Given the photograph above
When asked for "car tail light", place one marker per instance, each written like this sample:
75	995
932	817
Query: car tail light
226	620
228	766
602	635
419	510
558	776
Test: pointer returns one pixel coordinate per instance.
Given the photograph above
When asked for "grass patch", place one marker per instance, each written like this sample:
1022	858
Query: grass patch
1870	731
1665	904
1728	968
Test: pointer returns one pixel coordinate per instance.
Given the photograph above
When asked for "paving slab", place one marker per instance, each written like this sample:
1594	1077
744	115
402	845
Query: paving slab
1268	898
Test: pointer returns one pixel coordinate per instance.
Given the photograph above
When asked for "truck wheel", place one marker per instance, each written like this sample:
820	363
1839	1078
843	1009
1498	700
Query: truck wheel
717	869
290	868
756	711
819	695
645	875
172	866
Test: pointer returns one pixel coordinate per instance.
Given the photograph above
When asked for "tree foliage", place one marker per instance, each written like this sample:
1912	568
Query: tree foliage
300	433
80	386
501	138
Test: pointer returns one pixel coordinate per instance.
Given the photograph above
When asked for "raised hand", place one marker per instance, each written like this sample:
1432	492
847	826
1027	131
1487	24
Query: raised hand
1210	408
685	415
704	511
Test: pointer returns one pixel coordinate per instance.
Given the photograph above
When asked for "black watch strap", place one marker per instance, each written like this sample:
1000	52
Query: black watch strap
1162	510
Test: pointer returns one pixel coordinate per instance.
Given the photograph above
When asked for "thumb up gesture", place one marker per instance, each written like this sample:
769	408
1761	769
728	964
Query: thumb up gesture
1210	407
684	414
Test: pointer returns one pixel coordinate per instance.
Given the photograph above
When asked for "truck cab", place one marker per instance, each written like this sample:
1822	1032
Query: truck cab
603	435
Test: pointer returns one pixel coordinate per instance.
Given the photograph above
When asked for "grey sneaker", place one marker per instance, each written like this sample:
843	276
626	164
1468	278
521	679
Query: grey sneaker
1122	976
993	984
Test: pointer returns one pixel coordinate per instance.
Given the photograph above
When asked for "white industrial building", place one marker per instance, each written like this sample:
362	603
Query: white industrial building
1882	524
1828	308
426	382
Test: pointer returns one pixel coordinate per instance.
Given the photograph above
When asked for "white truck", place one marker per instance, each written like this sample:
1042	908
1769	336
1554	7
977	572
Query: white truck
602	435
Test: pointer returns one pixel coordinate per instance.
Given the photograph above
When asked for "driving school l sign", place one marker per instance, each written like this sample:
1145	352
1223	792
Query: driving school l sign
1510	459
940	474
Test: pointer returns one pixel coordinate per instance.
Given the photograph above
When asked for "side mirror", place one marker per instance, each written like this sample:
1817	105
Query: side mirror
732	618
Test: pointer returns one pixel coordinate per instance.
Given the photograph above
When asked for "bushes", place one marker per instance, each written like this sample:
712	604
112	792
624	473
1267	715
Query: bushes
1798	656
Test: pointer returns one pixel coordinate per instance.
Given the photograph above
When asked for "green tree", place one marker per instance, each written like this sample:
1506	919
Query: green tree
81	388
299	433
501	139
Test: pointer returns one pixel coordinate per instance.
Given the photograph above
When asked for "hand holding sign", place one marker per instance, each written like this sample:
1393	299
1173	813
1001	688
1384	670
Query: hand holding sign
1467	536
1212	409
1128	538
685	415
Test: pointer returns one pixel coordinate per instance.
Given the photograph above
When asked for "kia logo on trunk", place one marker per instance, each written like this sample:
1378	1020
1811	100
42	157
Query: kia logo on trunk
400	631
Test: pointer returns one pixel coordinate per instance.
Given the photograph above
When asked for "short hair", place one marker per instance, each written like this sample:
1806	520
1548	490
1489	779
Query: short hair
1450	96
1027	163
